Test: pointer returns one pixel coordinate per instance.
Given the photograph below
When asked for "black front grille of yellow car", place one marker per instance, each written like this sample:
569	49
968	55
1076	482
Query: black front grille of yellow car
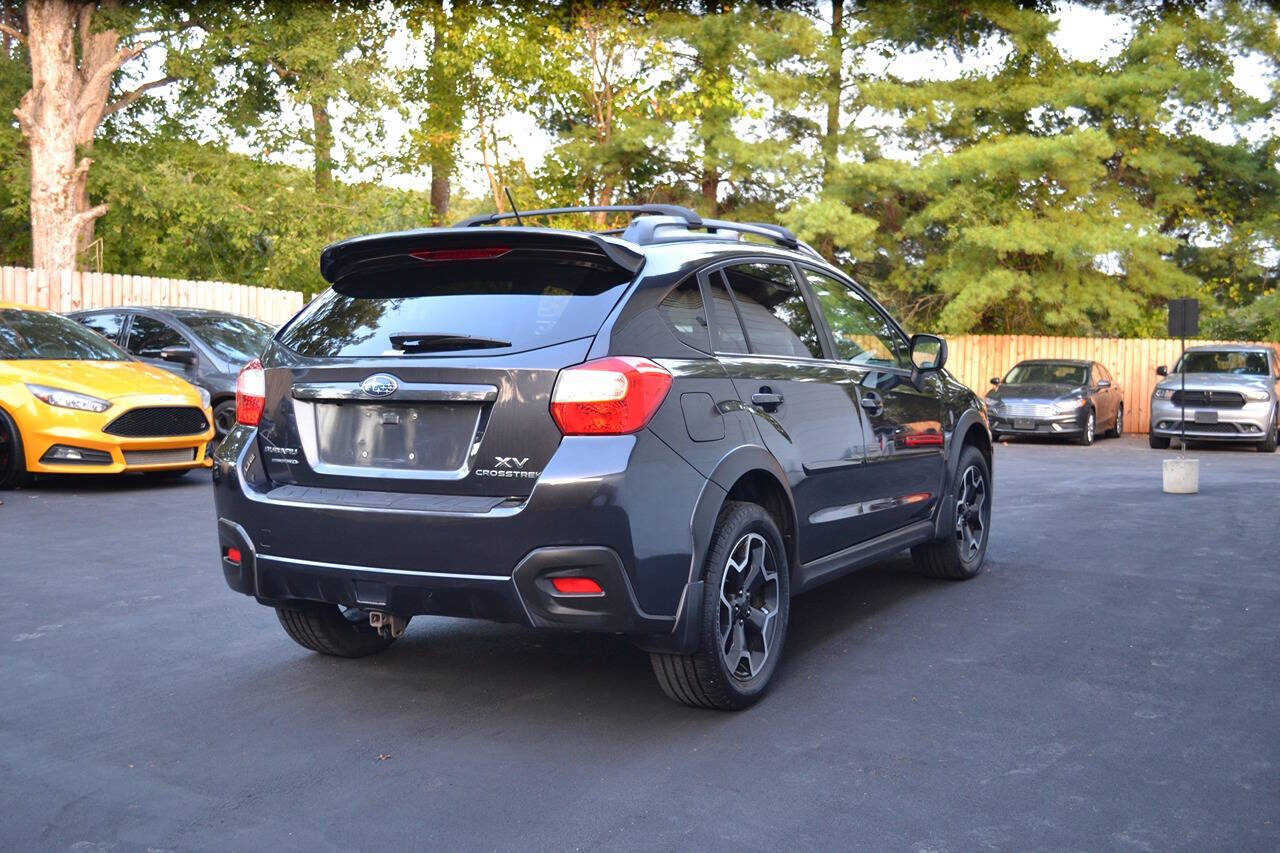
159	421
1209	399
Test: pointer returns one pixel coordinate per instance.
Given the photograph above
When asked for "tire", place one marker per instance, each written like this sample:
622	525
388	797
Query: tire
13	464
960	553
744	616
326	629
224	418
1158	442
1085	439
1117	429
1268	444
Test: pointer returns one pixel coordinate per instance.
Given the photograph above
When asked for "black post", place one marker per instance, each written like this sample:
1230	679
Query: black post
1182	363
1184	319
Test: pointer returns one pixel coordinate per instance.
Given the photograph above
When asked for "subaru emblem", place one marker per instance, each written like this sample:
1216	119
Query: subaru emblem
380	385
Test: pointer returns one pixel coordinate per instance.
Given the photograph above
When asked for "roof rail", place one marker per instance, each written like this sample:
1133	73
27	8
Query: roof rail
690	218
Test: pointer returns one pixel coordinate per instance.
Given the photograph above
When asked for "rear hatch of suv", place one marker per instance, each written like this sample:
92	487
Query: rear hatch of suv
428	367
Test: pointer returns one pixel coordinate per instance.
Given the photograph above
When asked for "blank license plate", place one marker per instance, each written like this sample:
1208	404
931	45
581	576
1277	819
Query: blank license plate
1023	423
1206	417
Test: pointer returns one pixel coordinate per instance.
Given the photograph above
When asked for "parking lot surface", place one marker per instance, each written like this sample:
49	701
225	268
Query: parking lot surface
1109	682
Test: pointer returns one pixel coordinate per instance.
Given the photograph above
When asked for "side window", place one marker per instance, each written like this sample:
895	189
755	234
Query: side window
107	325
861	334
774	313
728	331
147	337
682	309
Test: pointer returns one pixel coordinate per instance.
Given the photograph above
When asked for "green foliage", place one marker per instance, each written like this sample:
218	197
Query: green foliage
1011	188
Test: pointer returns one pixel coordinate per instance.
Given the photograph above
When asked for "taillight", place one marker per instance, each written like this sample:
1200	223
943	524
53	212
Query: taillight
251	393
609	396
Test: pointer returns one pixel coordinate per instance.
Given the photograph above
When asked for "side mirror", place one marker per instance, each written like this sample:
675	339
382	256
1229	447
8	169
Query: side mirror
1103	383
1162	371
928	352
995	380
181	355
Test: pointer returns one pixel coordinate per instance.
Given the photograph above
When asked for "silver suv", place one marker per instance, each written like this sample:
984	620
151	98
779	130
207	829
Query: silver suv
1230	395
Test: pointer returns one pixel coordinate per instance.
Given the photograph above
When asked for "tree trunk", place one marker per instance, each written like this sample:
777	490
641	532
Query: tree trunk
835	83
59	116
322	144
440	172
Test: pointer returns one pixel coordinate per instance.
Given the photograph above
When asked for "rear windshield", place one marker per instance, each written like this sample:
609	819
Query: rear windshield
1242	363
509	305
234	338
45	335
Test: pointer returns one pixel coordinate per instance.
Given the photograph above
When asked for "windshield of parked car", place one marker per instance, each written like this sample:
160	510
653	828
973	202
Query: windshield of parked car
48	336
236	339
1040	373
1242	362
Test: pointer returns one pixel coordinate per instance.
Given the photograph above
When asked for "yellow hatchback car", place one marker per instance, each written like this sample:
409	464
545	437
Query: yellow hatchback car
72	402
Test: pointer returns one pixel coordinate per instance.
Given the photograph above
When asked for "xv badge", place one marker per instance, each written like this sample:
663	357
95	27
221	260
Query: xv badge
509	461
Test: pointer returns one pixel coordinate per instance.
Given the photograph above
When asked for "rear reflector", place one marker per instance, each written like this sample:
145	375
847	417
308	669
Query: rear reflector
233	554
483	254
576	586
251	393
608	396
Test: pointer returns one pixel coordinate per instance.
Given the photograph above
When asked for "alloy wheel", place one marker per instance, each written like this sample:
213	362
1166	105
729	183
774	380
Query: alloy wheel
1119	422
971	519
749	593
1089	426
224	420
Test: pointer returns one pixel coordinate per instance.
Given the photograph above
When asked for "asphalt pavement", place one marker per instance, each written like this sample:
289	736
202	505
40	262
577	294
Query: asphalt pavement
1109	682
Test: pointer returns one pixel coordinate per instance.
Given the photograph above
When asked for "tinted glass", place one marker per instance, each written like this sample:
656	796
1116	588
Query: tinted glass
861	334
683	311
45	335
774	312
728	331
527	303
1047	373
107	325
147	337
234	338
1243	363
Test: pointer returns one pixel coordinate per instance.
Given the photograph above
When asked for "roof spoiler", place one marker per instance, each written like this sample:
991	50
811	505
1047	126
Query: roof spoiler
339	259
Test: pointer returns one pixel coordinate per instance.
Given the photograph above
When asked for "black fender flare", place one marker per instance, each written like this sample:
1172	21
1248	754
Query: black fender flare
944	519
743	459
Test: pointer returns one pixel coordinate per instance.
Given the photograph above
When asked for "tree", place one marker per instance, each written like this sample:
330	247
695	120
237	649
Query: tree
75	51
272	70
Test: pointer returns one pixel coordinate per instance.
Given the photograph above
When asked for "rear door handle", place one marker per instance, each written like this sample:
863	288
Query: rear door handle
766	400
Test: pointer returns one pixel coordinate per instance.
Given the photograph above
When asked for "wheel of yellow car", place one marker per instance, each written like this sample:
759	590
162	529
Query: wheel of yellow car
13	466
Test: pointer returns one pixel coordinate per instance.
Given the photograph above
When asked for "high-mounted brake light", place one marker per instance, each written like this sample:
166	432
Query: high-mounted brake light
251	393
482	254
608	396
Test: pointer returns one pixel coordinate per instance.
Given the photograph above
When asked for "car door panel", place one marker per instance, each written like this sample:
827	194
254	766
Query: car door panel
901	423
804	407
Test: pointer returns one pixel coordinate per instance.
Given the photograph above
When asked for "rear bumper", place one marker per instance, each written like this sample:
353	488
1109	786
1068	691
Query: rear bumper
415	554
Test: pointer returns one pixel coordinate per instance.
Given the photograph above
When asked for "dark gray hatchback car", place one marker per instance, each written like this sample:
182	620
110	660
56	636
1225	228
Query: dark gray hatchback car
663	432
206	348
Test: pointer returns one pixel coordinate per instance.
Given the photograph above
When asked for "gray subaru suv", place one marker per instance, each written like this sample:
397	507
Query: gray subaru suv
1229	393
663	432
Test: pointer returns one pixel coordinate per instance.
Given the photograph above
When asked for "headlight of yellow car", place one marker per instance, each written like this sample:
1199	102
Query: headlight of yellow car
68	399
205	399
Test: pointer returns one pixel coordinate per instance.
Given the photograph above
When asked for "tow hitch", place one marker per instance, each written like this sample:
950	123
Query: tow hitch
387	624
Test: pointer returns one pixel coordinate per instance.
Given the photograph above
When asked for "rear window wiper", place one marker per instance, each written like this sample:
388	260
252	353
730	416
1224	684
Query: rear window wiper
443	342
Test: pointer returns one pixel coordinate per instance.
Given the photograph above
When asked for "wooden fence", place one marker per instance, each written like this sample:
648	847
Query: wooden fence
974	359
71	291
